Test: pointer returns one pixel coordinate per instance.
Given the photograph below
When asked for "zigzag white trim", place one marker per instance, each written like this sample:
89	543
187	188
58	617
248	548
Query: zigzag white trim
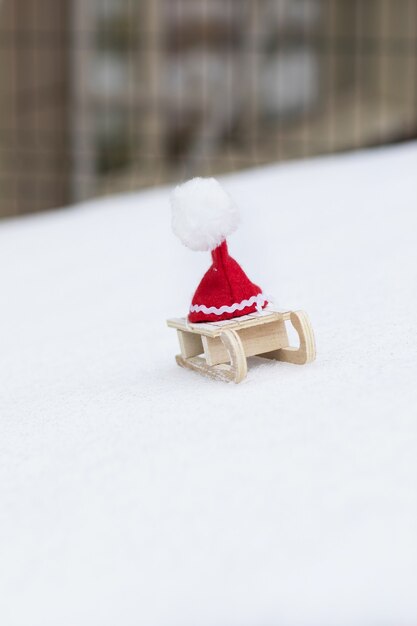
259	300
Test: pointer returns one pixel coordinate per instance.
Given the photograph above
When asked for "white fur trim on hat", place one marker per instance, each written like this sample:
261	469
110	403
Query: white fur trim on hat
203	214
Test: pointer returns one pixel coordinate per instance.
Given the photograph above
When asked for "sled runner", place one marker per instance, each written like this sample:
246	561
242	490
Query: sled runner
219	350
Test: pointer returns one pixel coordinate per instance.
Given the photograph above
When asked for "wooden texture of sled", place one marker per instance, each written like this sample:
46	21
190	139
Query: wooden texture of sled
219	350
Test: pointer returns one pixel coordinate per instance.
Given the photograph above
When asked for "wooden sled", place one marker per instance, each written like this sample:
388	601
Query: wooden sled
226	345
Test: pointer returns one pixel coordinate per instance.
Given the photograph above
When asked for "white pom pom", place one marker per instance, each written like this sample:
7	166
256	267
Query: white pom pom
203	214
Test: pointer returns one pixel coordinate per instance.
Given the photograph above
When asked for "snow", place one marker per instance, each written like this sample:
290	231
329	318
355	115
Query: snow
135	492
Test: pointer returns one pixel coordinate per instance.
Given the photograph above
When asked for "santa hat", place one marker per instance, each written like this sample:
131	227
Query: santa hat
203	215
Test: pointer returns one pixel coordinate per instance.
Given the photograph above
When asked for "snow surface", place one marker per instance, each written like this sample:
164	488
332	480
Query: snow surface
135	493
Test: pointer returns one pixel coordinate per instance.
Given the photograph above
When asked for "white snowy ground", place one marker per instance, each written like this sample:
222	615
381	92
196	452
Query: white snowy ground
135	493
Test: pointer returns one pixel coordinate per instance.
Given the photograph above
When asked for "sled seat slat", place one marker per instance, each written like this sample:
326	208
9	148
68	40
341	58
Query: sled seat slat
215	329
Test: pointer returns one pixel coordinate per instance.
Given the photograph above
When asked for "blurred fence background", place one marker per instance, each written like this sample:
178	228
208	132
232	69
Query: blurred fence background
101	96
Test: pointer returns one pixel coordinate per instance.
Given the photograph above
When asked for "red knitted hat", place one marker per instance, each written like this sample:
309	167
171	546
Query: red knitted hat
203	215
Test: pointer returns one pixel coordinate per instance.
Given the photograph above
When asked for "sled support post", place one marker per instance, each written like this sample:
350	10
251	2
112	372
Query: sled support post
190	344
238	363
306	352
219	350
